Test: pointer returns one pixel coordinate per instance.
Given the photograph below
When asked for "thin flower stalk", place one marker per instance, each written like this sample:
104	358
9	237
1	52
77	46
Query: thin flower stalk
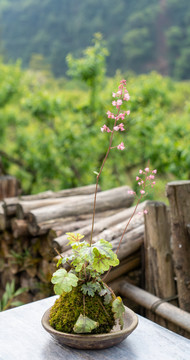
121	93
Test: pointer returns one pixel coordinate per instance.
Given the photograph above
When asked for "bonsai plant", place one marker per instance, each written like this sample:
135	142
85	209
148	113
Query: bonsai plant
87	305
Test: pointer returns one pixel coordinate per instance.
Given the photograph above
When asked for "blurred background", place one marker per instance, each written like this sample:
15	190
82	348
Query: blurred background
59	63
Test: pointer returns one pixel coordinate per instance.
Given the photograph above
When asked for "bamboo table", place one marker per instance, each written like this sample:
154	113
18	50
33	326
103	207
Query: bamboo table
22	337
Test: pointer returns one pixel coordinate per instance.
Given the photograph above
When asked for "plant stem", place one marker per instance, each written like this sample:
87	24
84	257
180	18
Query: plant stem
103	279
124	231
84	304
104	308
98	176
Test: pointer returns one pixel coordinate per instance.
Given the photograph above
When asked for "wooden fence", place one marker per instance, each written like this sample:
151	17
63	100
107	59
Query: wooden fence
154	255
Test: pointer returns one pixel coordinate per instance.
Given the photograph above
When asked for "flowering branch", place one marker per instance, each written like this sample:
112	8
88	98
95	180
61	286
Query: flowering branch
145	178
123	95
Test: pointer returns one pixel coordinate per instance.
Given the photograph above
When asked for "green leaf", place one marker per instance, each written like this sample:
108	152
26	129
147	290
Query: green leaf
84	325
67	258
107	298
74	238
64	281
104	248
103	292
107	295
78	265
12	287
100	263
8	290
20	291
90	288
86	253
17	303
5	299
59	262
114	261
119	310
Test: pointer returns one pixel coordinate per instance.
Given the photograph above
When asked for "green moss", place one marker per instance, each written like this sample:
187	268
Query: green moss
66	310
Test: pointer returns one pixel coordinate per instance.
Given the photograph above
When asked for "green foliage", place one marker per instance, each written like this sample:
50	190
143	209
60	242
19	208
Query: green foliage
84	325
68	307
87	263
119	310
96	258
90	288
8	298
64	281
136	32
74	238
50	143
90	68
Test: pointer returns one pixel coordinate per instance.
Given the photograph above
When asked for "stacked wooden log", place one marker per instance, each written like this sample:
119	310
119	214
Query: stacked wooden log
32	229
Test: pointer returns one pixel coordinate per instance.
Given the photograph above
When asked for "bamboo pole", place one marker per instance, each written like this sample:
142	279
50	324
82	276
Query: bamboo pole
151	302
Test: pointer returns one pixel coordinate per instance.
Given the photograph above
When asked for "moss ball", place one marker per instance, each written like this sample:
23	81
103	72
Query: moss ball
66	310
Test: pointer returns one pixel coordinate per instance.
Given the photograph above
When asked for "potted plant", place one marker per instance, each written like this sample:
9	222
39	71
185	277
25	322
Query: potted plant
87	313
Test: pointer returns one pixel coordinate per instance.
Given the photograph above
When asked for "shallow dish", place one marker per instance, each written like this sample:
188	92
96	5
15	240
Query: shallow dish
88	341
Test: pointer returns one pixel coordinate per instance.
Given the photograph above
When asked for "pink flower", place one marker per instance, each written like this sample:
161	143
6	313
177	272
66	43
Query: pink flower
126	97
131	192
140	171
154	182
128	112
105	128
119	93
154	171
121	127
114	103
121	116
151	177
116	128
145	211
147	169
114	94
110	115
137	178
121	146
142	192
119	102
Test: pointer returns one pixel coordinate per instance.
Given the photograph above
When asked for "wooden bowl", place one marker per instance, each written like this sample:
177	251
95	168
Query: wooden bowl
88	341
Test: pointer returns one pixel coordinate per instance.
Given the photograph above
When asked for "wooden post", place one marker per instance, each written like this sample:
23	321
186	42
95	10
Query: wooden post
159	276
178	193
158	260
